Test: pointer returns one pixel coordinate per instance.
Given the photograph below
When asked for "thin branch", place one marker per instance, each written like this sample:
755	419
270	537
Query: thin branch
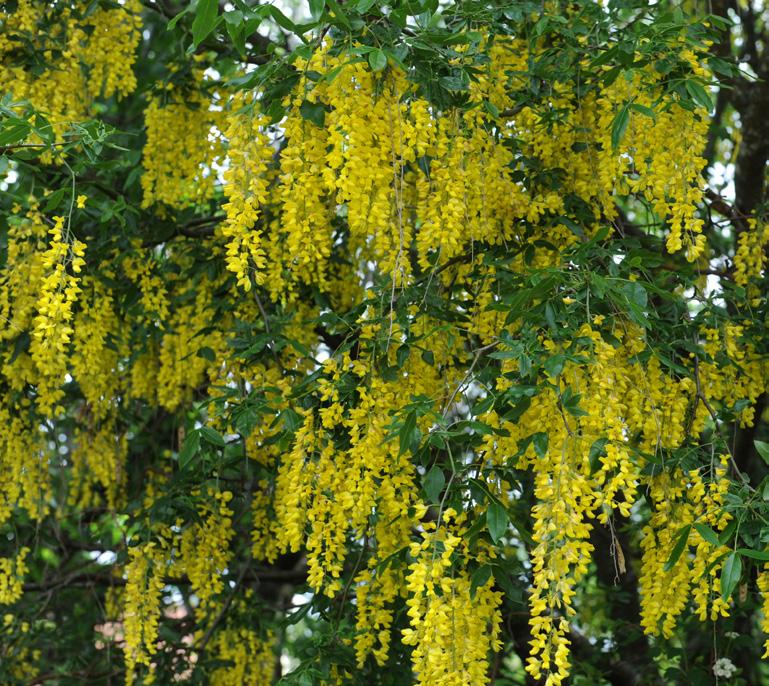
701	396
723	207
85	677
10	148
200	648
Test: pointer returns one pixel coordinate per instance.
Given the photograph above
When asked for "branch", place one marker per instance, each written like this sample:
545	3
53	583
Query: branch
720	205
84	677
701	397
270	574
10	148
200	649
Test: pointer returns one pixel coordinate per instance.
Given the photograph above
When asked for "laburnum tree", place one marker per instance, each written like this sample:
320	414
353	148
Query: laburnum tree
384	342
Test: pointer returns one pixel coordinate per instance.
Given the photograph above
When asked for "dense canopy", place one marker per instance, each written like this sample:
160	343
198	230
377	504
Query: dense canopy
383	342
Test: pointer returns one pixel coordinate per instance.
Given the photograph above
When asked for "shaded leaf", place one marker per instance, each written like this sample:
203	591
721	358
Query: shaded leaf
497	520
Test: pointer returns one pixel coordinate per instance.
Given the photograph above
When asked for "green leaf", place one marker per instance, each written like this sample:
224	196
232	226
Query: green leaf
207	354
504	354
763	450
570	224
176	19
497	520
407	431
44	129
727	533
20	345
313	112
281	19
236	30
54	200
365	5
540	440
402	354
189	449
553	366
479	578
636	294
730	574
212	436
14	132
433	483
550	319
377	59
754	554
707	533
570	402
297	616
597	450
245	420
683	539
619	126
205	18
234	17
292	420
699	94
648	111
316	8
453	83
524	365
336	10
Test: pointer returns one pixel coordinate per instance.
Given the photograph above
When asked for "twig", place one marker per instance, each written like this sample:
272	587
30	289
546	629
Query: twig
701	396
9	148
720	205
223	611
467	375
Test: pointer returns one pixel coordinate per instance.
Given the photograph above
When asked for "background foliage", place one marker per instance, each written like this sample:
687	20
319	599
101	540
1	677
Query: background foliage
383	343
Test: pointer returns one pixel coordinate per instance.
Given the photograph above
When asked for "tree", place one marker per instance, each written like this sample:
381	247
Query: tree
383	343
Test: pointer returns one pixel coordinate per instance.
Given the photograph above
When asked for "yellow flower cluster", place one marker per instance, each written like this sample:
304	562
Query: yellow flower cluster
375	591
144	583
680	500
452	631
589	466
53	324
98	461
25	661
246	181
205	549
111	49
744	379
89	57
142	270
402	173
95	358
181	370
23	463
560	557
364	166
750	258
180	151
763	586
304	243
252	658
21	276
332	491
23	452
660	154
12	571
